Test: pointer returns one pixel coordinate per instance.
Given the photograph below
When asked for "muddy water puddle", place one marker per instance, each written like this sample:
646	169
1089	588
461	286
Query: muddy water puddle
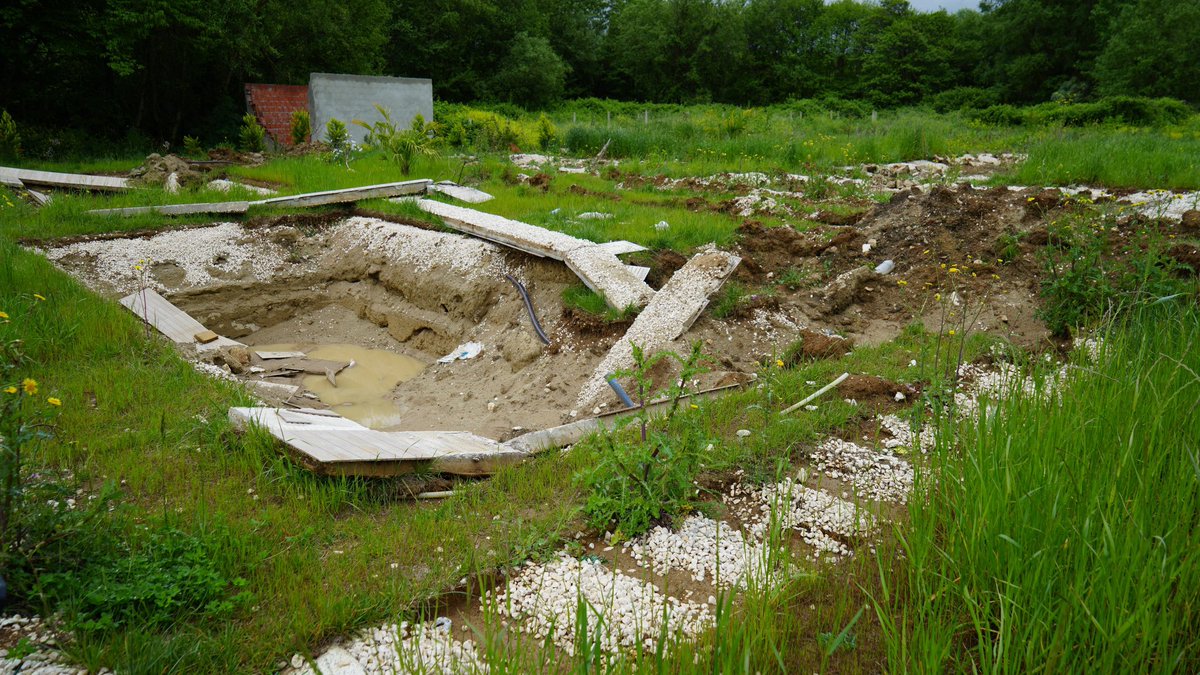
363	391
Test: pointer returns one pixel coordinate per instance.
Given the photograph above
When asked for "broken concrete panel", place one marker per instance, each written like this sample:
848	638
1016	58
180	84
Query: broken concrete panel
354	97
175	209
72	181
407	187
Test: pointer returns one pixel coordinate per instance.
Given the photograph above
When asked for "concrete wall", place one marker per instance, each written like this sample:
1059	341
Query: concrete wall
353	97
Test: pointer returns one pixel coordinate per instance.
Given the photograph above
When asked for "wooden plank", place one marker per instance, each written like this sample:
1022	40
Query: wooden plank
74	181
175	209
348	195
169	320
461	192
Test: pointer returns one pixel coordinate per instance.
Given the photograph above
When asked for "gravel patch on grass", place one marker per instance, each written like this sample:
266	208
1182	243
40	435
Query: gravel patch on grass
878	476
621	612
705	548
829	524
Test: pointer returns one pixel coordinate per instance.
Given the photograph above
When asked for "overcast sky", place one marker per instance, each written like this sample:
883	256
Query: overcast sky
948	5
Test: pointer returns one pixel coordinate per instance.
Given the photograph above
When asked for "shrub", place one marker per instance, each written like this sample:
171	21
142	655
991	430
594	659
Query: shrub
546	131
10	137
963	98
338	138
639	483
301	127
192	147
252	137
399	145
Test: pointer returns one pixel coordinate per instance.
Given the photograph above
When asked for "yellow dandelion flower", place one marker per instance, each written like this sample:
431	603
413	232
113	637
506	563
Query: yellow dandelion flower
953	270
39	296
30	386
10	389
943	265
4	315
53	401
695	407
901	282
951	332
779	363
937	297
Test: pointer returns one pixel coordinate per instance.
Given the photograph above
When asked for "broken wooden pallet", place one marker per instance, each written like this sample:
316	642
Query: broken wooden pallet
670	313
326	443
597	266
171	321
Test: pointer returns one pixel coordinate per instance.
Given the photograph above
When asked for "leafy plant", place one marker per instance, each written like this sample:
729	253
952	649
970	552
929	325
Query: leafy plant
192	147
252	137
637	484
728	301
338	137
301	127
546	131
25	419
10	137
400	145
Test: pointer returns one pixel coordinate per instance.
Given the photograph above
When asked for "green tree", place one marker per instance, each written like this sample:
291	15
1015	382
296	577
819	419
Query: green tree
782	39
1153	52
533	75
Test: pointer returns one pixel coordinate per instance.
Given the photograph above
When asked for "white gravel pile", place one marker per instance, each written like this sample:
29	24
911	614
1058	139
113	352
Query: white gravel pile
46	659
874	475
424	250
226	248
224	185
391	649
705	548
825	522
1163	204
622	612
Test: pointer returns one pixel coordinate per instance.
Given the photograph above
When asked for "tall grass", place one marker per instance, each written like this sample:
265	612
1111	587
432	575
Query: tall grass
1064	537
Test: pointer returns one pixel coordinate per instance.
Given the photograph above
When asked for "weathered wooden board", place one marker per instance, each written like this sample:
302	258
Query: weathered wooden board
270	356
337	446
381	191
169	320
74	181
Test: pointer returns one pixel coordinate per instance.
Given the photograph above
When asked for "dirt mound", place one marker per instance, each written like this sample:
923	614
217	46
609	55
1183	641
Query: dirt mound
663	266
158	169
812	345
872	391
772	249
1187	255
585	192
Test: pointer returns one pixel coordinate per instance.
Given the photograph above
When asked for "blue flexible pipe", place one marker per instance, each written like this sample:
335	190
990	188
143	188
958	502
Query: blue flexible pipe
616	386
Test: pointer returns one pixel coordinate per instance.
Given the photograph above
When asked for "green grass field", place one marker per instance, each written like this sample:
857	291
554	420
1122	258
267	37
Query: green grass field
1054	534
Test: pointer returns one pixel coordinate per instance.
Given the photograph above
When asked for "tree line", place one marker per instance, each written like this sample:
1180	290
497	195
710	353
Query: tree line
170	67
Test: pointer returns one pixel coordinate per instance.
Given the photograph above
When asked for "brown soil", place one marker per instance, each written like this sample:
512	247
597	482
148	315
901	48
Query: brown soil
812	345
542	181
580	190
1187	255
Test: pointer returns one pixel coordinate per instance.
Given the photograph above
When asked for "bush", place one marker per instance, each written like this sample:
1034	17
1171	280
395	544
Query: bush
252	137
963	98
399	145
338	138
301	127
637	484
10	138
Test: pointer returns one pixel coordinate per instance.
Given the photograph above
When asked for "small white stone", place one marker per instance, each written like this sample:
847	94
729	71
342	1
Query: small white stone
743	433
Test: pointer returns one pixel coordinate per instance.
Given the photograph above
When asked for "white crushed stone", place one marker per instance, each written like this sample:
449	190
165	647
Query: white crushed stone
621	611
874	475
826	523
226	248
706	549
45	659
223	185
1163	204
407	648
665	318
424	250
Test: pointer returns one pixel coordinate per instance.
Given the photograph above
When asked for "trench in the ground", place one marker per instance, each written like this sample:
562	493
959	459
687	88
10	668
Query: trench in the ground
390	335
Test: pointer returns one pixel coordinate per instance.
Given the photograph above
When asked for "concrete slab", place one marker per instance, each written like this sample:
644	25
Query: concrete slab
73	181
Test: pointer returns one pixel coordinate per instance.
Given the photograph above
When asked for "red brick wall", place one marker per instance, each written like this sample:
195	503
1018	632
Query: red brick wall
273	104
